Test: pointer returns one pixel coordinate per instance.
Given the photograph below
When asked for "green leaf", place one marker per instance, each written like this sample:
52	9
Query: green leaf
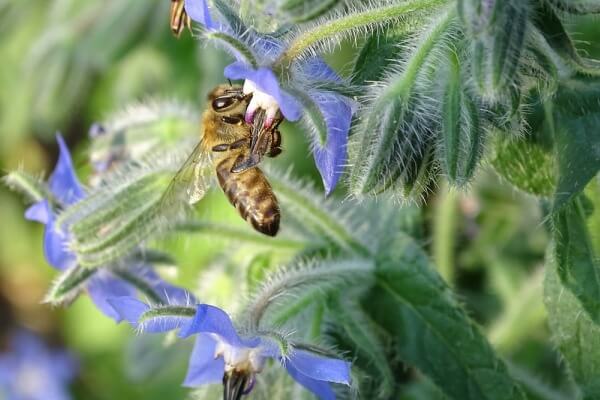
573	331
303	11
497	31
577	146
393	145
577	6
431	331
525	163
325	275
550	25
380	51
460	147
127	209
69	285
33	188
367	341
577	264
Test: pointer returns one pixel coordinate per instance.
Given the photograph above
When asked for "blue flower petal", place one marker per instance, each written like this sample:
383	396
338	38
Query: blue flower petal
129	309
211	319
318	70
103	286
132	310
199	12
204	368
55	241
321	389
320	368
39	212
6	370
267	82
331	158
63	182
170	294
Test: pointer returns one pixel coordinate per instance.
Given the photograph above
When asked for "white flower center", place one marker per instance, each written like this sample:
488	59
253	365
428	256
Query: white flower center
241	359
260	100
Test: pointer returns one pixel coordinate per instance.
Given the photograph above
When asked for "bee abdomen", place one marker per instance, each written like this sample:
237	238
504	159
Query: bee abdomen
252	195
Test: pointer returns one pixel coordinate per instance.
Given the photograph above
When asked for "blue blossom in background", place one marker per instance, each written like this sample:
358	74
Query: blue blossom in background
220	354
303	85
31	371
102	283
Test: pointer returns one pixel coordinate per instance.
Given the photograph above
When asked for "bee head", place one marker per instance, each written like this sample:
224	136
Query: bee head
228	99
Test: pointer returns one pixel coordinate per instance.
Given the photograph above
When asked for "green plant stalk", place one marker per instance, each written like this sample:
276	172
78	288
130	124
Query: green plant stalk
317	321
524	313
226	232
140	285
320	218
28	185
353	21
444	227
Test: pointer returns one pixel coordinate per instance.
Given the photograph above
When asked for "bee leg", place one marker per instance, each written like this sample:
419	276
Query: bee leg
230	146
275	148
221	147
238	144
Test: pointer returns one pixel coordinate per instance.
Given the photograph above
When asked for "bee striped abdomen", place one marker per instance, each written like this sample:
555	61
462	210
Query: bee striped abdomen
252	195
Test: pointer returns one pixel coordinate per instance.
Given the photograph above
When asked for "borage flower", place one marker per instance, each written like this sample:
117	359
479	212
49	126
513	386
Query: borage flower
29	370
220	354
301	92
100	283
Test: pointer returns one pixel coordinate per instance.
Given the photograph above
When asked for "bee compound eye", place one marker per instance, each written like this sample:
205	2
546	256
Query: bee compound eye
221	103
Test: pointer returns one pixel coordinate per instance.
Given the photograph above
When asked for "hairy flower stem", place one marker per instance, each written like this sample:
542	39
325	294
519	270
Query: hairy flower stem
367	18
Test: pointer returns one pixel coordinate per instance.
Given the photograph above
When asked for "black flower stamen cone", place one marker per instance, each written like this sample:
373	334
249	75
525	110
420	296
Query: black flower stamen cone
234	385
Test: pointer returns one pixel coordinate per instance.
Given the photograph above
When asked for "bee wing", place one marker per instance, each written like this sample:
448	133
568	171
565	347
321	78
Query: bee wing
192	180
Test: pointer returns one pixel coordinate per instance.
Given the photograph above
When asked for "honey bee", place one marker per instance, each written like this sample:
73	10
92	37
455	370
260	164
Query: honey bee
226	145
179	18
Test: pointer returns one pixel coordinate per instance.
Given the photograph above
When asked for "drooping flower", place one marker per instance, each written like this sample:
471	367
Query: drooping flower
31	371
221	354
300	94
100	283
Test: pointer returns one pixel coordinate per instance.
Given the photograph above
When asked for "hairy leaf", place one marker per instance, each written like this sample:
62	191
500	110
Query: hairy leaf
577	145
577	6
576	262
497	30
526	164
367	341
574	332
393	145
557	37
69	285
462	138
432	332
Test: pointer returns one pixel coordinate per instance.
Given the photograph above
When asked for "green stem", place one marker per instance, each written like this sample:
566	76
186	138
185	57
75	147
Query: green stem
225	232
26	184
314	216
443	234
139	284
363	19
317	321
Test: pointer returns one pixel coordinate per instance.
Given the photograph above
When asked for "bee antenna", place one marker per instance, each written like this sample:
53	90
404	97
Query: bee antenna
229	80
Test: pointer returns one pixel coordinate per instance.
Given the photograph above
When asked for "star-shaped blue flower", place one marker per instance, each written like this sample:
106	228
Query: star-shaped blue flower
308	76
220	354
31	371
104	283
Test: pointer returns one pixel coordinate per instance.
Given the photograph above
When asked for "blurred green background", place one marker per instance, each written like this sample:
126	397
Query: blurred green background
68	63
